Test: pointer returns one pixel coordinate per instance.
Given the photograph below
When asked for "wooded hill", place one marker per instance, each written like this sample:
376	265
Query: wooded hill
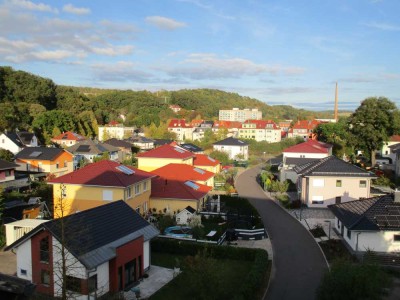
31	102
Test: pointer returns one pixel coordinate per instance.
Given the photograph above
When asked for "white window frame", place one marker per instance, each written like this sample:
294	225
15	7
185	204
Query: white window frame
318	182
145	186
137	189
107	195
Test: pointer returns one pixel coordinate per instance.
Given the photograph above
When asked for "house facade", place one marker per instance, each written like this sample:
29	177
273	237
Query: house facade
332	181
45	160
99	183
68	139
182	130
239	115
235	148
303	129
370	224
208	163
162	156
115	130
96	262
260	130
16	141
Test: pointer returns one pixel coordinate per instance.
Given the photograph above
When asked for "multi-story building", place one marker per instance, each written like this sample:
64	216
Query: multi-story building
303	128
260	130
115	130
182	130
240	115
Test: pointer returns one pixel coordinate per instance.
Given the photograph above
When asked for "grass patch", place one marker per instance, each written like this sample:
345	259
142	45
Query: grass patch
335	250
230	276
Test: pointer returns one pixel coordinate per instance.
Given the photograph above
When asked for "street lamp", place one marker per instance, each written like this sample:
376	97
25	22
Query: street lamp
329	230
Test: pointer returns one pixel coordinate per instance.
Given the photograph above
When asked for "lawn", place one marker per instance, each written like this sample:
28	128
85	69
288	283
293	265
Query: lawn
334	250
228	278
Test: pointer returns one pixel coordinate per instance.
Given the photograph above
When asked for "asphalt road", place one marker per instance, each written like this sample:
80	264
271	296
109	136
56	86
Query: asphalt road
298	264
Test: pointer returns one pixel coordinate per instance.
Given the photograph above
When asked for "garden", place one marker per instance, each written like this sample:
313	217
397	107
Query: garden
211	272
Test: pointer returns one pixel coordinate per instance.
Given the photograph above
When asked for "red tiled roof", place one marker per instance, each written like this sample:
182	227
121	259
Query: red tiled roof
305	124
310	146
262	124
178	123
175	189
167	151
227	124
205	160
103	173
196	123
69	136
395	138
183	172
113	123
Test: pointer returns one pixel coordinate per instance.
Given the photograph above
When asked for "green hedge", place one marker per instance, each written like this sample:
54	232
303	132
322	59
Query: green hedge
250	288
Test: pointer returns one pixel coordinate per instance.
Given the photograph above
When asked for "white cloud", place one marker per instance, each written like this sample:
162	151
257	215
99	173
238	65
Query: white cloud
113	50
164	23
121	71
69	8
208	66
29	5
53	55
382	26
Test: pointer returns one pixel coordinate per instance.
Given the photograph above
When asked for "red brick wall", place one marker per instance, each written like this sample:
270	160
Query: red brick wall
125	254
38	266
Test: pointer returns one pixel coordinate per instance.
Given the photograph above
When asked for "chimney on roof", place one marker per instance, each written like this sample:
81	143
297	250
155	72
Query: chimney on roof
396	196
336	103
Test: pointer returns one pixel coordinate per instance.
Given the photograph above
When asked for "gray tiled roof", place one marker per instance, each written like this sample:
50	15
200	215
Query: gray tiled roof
331	166
118	143
39	153
92	148
6	165
191	147
366	214
299	161
231	142
21	138
94	234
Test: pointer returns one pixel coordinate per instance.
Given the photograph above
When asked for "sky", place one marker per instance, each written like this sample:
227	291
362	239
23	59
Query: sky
288	52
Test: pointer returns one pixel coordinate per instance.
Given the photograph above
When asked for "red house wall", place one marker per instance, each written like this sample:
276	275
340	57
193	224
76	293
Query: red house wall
37	265
125	254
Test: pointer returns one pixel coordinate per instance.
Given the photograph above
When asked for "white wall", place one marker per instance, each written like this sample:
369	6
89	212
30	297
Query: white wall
7	144
233	151
146	255
24	261
305	155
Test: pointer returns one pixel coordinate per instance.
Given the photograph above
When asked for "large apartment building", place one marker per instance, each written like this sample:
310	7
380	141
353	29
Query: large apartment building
239	115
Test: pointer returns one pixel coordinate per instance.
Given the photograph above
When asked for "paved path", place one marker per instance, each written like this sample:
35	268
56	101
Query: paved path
298	263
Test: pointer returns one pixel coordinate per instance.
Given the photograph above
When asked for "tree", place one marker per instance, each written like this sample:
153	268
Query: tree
373	122
335	134
6	155
223	157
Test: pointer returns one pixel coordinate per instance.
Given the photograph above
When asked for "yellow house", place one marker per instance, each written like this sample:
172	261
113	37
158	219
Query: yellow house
99	183
171	196
206	162
162	156
53	161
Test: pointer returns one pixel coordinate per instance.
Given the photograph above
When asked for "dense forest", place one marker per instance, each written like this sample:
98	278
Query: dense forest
31	102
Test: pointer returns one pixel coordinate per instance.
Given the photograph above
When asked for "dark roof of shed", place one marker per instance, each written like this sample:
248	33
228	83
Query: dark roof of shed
39	153
230	141
119	143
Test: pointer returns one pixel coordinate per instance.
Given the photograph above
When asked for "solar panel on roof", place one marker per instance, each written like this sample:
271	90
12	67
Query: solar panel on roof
125	170
35	154
388	221
192	185
393	209
198	170
179	150
210	158
83	148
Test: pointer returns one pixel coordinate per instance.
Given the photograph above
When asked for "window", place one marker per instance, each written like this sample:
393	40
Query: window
73	284
8	173
137	189
363	183
349	234
45	277
44	249
338	183
338	223
107	195
65	163
317	200
396	238
145	186
23	272
129	192
318	182
57	165
138	209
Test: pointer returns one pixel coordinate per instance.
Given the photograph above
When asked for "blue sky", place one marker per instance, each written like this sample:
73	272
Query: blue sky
279	51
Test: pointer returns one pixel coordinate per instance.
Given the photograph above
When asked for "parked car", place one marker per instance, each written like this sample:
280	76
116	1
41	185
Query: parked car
179	231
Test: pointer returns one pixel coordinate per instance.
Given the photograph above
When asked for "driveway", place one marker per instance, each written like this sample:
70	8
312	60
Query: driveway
298	264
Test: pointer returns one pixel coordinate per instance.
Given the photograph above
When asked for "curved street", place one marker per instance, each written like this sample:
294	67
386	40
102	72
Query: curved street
298	264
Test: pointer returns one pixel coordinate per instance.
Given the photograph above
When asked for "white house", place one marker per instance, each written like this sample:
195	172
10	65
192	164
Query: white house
107	249
300	154
115	130
261	130
370	224
16	141
182	130
235	148
331	180
183	217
